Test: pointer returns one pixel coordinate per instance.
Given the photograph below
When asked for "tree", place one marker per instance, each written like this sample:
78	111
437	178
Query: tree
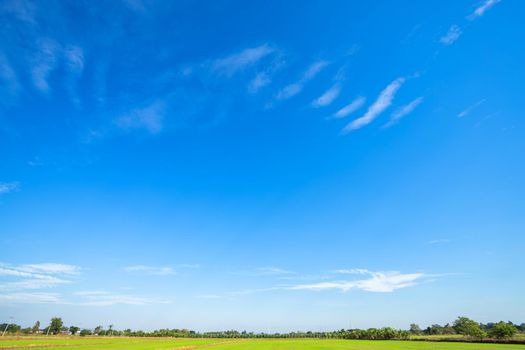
36	327
414	329
74	330
110	330
85	332
503	330
97	330
56	325
468	327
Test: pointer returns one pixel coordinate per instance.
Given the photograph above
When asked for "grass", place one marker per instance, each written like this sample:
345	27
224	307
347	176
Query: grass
108	343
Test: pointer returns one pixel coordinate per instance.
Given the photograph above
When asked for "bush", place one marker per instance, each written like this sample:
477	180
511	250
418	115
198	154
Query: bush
503	330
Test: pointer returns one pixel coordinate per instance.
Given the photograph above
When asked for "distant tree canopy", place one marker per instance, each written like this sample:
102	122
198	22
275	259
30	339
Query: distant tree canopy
462	325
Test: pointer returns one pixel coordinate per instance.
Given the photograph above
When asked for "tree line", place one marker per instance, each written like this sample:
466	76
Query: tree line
462	326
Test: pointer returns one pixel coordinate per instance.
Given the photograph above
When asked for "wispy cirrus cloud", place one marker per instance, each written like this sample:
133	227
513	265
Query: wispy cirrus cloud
149	118
439	241
383	101
353	271
378	282
403	111
44	61
8	187
353	106
234	63
20	9
481	9
295	88
328	96
36	276
104	298
51	268
451	36
31	298
264	76
10	85
265	271
470	108
272	270
151	270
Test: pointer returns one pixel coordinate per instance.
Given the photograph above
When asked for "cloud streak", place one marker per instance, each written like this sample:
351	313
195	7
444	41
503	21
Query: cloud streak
295	88
351	107
103	298
149	118
378	282
452	35
8	187
232	64
480	11
36	276
327	97
151	270
383	101
403	111
470	108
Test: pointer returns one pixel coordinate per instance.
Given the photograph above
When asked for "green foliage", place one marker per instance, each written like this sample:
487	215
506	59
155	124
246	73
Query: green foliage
503	330
468	327
36	327
414	329
85	332
74	330
56	325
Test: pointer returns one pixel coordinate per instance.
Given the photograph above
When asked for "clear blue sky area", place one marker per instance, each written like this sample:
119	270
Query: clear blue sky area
262	165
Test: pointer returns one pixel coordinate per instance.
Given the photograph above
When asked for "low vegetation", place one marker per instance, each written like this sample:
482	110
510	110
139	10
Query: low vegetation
463	328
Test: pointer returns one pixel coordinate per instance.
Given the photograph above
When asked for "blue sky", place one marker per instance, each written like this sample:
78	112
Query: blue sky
265	166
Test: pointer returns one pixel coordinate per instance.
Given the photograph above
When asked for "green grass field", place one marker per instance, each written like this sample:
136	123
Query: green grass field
103	343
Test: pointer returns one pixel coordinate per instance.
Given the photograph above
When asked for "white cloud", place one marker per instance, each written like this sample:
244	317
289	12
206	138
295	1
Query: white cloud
31	298
353	271
74	59
44	62
34	283
261	80
452	35
8	77
379	282
272	270
151	270
22	10
327	97
295	88
149	118
103	298
351	107
439	241
236	62
470	108
50	268
383	102
480	10
7	187
36	276
403	111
